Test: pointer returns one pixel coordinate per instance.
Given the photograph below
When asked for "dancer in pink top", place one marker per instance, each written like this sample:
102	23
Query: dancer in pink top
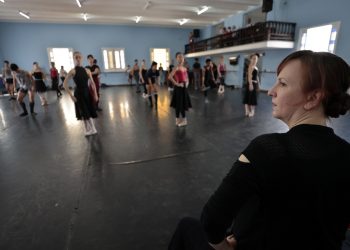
180	101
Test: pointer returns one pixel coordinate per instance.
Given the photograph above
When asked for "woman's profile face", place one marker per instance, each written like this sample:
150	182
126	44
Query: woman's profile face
254	59
288	97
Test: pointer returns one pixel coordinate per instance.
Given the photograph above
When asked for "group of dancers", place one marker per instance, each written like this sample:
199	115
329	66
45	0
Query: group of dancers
206	78
86	93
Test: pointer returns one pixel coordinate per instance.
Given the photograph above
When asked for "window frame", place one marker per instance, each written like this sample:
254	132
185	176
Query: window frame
335	25
114	50
165	67
71	50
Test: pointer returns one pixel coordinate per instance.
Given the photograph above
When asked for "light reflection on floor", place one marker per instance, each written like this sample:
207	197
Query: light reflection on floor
164	104
111	110
124	109
69	113
2	118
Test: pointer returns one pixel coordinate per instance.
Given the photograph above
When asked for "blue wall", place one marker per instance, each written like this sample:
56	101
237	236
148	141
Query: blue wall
28	42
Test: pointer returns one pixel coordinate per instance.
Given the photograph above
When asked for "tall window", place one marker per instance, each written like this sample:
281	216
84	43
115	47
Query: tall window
61	57
113	59
321	38
161	56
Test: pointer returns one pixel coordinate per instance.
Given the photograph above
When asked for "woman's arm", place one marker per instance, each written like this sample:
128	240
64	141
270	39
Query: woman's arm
172	79
203	76
250	78
238	187
96	71
43	74
14	80
31	81
140	76
187	80
71	73
92	84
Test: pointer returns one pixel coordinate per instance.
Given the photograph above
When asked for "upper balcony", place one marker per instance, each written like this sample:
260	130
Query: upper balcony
261	36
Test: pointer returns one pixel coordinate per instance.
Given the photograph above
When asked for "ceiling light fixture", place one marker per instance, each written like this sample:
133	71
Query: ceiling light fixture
85	16
148	4
204	9
78	3
183	21
26	15
2	1
138	18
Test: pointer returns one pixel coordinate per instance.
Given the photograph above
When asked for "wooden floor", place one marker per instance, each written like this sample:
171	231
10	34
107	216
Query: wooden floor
127	187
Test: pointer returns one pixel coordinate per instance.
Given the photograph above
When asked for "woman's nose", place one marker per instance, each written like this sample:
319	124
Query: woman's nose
271	91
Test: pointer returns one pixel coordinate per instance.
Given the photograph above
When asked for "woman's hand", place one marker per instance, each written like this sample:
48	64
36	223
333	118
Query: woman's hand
251	87
181	85
231	241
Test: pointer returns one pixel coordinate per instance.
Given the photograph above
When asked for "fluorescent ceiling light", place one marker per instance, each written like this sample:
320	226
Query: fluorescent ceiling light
148	4
138	18
26	15
183	21
2	1
85	16
204	9
78	3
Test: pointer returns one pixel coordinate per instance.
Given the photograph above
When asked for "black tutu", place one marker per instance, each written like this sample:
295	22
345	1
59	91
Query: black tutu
84	106
181	99
40	86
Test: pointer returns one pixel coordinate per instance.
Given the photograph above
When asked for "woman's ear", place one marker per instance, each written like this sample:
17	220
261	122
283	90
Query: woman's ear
313	99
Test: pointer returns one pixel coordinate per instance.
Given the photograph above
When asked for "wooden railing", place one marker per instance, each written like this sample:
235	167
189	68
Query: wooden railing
265	31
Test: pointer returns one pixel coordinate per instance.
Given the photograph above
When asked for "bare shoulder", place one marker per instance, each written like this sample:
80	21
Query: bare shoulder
71	72
243	158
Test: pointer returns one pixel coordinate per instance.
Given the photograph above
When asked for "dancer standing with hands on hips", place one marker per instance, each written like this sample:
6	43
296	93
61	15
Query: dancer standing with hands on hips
252	86
83	101
181	101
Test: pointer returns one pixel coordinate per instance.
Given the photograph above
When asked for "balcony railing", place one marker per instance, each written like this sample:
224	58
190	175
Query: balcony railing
266	31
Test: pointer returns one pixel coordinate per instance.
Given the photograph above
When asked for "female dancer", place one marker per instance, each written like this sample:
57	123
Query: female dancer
84	105
222	75
252	85
143	77
54	79
8	78
63	75
136	72
180	101
26	85
95	72
207	78
169	82
40	86
151	82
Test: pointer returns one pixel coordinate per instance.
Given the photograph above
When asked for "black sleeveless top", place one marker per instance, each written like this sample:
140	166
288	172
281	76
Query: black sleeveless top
144	74
255	75
208	76
80	78
38	76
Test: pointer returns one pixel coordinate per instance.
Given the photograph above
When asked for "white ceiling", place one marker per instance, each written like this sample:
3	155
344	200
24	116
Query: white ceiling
159	12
